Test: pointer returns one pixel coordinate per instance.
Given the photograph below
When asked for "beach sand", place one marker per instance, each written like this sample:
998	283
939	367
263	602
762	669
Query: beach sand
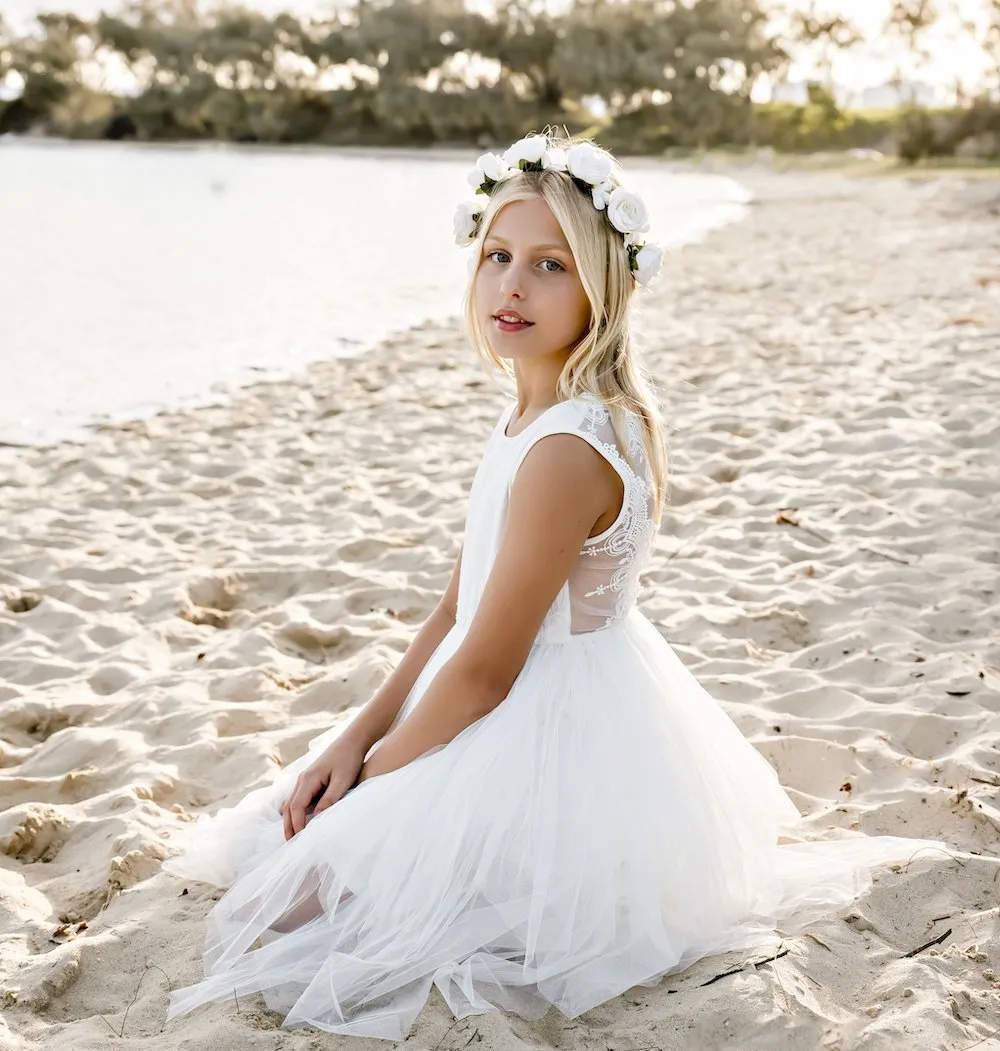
187	600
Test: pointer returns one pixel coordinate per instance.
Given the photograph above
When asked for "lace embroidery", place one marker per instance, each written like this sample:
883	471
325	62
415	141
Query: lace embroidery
631	536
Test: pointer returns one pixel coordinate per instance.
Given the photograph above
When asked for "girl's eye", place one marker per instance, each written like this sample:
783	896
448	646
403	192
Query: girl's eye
556	266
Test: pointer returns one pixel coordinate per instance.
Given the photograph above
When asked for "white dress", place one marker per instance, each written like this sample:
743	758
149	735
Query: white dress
607	823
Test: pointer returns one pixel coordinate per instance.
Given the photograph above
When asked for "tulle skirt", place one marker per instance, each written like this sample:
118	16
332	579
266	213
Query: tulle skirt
606	824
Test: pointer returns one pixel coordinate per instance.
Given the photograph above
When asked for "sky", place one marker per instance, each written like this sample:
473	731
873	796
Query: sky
952	55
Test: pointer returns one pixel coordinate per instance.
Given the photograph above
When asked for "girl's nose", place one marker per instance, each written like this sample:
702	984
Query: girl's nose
511	285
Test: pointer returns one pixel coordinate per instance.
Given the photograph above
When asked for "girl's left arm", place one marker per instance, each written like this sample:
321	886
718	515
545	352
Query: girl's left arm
560	491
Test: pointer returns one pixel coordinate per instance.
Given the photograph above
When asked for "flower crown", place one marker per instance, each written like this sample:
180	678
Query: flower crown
590	169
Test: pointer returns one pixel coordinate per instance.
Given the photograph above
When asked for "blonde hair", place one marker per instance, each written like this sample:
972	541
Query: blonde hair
604	362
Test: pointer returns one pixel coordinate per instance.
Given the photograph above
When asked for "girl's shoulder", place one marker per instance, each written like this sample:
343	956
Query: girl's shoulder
581	412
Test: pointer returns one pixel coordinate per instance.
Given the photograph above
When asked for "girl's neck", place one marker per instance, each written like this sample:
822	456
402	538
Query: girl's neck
537	392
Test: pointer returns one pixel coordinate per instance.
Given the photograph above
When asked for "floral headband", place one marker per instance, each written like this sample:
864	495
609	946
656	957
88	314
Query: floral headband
588	167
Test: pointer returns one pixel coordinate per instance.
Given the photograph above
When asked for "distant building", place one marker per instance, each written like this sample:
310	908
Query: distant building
794	91
891	96
880	96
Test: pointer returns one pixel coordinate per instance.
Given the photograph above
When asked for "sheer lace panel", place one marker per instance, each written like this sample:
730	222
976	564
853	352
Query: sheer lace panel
605	582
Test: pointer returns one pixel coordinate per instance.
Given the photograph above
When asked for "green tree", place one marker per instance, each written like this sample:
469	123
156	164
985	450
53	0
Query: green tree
671	72
47	62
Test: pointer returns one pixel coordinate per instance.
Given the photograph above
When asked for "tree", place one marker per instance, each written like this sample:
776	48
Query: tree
230	72
908	21
47	62
829	34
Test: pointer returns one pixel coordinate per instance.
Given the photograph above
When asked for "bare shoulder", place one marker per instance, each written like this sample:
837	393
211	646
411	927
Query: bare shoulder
561	459
567	467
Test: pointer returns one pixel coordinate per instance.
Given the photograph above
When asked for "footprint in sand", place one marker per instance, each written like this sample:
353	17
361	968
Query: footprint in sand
33	833
213	600
337	642
221	593
18	601
45	978
35	721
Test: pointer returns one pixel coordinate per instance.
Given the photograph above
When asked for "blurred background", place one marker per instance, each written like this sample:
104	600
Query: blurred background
173	221
918	76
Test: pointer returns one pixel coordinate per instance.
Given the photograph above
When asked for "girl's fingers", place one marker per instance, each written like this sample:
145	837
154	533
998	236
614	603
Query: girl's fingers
296	815
293	809
305	792
335	792
327	800
288	810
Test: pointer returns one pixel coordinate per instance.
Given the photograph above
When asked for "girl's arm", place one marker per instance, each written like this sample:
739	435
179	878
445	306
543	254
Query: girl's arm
374	720
560	491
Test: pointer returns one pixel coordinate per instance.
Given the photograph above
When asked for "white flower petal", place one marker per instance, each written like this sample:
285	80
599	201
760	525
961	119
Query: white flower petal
648	261
531	148
555	158
493	167
589	164
466	217
627	211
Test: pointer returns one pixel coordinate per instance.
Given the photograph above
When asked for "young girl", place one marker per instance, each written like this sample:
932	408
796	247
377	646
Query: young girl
541	806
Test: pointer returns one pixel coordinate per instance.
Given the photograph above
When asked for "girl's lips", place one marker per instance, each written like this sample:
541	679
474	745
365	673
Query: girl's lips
508	326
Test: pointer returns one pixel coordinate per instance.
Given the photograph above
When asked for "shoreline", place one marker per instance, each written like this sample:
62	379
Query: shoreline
189	598
447	328
717	160
303	325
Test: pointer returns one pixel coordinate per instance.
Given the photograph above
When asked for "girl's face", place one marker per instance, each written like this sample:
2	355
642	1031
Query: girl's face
527	272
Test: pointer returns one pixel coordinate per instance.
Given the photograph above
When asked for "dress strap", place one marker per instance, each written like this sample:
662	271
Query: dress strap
588	419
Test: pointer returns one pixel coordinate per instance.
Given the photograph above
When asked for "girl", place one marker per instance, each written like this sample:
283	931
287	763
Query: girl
541	806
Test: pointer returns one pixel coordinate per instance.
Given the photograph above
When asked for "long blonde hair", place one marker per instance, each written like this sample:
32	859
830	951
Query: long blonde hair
604	363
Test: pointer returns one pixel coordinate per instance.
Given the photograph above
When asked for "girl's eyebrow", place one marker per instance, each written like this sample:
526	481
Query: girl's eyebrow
532	248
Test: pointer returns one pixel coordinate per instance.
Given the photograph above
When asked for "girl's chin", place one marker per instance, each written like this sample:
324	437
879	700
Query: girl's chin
508	353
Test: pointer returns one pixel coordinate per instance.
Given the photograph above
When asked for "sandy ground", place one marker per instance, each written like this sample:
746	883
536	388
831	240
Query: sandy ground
188	600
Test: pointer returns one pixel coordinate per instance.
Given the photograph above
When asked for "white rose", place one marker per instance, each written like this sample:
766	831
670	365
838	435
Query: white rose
466	215
627	212
475	178
531	148
589	164
647	263
555	158
493	167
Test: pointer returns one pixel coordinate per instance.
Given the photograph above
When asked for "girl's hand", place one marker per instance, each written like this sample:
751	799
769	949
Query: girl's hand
326	781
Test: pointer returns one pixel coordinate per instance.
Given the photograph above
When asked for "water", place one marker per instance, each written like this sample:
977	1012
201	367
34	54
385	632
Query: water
134	278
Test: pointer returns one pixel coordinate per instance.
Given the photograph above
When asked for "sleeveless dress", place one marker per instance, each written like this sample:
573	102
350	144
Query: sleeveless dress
606	824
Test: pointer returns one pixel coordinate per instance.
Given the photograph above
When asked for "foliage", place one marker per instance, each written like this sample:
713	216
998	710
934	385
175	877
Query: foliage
402	71
820	125
668	74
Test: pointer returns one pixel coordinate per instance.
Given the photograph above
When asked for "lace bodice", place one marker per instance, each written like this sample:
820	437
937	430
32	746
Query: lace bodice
603	586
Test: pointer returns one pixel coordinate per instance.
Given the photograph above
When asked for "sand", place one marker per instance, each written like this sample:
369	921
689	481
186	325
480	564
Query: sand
189	599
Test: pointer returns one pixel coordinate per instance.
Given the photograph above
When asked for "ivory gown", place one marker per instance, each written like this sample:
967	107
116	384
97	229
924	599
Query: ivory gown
607	823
